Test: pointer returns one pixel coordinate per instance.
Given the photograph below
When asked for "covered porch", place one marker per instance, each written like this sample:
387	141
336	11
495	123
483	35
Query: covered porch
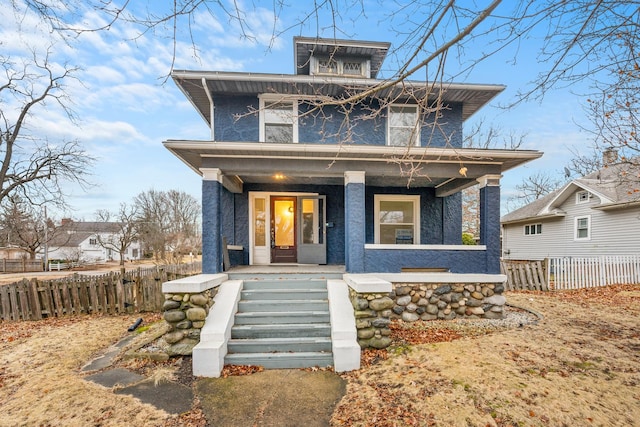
366	189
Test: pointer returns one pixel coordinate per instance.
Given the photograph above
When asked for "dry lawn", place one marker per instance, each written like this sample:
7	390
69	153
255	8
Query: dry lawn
40	380
580	366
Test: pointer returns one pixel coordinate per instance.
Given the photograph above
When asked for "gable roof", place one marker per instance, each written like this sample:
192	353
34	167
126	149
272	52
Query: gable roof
616	186
73	233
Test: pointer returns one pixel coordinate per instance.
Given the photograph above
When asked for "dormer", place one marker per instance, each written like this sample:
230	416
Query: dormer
339	58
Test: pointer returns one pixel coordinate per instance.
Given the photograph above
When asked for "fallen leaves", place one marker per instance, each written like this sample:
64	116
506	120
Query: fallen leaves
239	370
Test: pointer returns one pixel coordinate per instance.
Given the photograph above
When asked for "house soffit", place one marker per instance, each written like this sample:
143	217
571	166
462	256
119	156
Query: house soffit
199	86
326	164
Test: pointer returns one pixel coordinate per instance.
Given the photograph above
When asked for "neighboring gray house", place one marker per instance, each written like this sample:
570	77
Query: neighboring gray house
598	214
78	241
287	182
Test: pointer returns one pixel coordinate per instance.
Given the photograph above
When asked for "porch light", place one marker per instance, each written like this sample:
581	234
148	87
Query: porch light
278	176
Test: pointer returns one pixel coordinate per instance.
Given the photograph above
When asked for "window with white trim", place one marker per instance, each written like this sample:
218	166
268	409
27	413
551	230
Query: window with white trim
93	241
532	229
582	197
278	119
583	227
397	219
403	127
340	66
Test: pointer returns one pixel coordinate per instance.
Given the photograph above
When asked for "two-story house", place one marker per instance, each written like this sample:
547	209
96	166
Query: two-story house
595	215
333	165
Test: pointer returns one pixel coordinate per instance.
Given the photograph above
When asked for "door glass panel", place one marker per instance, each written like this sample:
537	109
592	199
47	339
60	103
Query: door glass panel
283	219
309	221
259	231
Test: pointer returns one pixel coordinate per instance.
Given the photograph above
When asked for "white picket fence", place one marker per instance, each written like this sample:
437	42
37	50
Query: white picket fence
576	273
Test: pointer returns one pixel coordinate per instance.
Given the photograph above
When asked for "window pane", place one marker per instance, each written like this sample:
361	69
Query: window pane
278	133
327	66
278	112
539	229
403	116
259	235
396	212
352	68
396	234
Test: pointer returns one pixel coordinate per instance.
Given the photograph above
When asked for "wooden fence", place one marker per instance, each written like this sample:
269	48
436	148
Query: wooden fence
21	265
525	275
134	291
575	273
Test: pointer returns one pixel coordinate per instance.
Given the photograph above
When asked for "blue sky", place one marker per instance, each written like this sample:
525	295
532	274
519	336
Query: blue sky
126	107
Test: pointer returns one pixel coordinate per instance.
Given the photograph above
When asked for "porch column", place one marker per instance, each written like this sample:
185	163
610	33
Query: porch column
354	221
211	221
490	220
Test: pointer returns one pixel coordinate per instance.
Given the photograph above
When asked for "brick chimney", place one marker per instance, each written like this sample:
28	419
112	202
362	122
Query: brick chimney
609	156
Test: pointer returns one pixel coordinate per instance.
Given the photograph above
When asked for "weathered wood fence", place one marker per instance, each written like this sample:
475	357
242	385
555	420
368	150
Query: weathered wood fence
21	265
576	273
134	291
525	275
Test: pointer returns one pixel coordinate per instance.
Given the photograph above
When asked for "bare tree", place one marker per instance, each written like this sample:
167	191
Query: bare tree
125	231
32	167
534	187
168	222
26	226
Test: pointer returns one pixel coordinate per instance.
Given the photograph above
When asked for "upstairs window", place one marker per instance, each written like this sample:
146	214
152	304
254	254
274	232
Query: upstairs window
403	127
278	120
532	229
339	67
93	241
583	228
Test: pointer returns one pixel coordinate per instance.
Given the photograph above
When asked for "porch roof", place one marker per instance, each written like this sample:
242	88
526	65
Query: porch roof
256	162
200	86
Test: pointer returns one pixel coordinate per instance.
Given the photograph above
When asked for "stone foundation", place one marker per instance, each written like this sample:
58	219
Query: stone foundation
422	301
185	313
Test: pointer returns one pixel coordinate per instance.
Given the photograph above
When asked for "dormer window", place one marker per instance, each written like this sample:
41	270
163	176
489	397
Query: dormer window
340	67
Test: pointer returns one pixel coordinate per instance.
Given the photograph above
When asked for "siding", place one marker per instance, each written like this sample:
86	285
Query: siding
232	123
615	232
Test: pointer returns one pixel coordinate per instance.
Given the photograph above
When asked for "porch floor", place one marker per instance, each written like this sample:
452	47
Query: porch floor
287	269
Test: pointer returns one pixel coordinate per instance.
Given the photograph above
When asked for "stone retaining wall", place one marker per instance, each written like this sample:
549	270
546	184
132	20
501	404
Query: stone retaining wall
422	301
185	313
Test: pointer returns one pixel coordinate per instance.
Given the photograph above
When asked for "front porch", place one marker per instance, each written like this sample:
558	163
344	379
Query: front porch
303	315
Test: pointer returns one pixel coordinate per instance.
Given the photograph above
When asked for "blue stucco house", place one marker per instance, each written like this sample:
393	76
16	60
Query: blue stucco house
332	165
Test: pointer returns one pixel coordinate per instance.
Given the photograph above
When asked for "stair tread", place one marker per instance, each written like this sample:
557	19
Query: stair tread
280	313
277	340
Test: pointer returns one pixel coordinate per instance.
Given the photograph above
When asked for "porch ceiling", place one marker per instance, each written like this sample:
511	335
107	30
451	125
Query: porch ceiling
324	164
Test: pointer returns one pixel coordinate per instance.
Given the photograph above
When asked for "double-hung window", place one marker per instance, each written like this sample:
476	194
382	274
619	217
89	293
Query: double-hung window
397	219
583	227
403	125
278	119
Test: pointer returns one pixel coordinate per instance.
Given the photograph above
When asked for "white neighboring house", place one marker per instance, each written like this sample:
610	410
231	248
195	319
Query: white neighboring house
596	215
79	241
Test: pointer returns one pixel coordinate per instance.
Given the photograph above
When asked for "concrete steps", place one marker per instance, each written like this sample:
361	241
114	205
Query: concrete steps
282	324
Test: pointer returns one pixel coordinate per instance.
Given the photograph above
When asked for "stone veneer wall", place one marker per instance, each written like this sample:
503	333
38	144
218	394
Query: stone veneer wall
185	313
422	301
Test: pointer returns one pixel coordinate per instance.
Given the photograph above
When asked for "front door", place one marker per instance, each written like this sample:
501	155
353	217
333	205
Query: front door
283	229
